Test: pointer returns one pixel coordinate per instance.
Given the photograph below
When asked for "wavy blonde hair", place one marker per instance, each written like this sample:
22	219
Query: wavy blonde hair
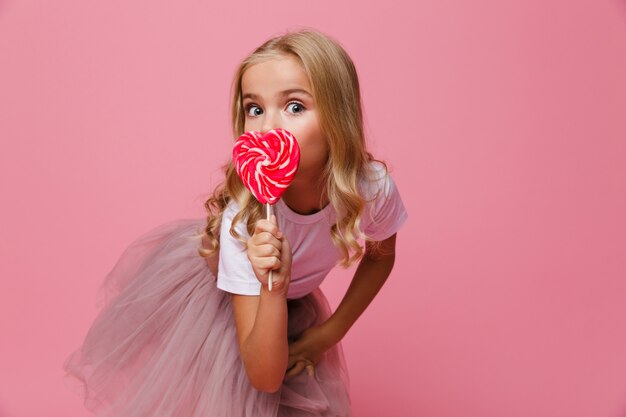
335	86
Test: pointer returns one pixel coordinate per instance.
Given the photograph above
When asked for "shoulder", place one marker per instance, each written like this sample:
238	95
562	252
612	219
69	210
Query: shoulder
384	211
376	182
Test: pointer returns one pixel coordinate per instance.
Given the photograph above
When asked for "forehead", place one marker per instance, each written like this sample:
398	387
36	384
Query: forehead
269	78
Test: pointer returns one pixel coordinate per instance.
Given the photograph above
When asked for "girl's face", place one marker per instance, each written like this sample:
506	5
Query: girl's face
277	93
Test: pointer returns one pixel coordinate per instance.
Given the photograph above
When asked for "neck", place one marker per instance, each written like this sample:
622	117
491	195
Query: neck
306	195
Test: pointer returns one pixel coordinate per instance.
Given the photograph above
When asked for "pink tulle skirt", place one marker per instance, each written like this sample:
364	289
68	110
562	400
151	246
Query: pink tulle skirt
164	343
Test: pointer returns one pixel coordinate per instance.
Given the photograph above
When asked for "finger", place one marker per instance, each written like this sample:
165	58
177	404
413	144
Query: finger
310	369
270	250
278	234
293	359
265	226
268	239
264	250
267	262
299	366
259	246
291	362
276	264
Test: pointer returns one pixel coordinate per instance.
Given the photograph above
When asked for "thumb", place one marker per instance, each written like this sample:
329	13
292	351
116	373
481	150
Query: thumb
285	253
279	235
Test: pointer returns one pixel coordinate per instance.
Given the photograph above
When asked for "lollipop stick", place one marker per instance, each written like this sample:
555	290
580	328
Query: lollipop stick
269	214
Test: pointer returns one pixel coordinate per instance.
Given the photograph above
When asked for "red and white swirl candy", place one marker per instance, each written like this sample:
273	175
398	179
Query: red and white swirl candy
266	163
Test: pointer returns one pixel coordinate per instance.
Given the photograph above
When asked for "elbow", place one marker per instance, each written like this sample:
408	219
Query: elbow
271	389
265	383
386	262
265	372
264	376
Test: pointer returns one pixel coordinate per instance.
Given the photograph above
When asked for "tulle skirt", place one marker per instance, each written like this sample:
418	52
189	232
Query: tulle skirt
164	343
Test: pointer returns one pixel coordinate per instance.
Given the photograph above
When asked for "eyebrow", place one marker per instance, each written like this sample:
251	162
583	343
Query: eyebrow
281	94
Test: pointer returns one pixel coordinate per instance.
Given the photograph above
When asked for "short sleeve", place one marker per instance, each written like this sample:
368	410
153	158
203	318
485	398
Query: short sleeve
235	273
386	211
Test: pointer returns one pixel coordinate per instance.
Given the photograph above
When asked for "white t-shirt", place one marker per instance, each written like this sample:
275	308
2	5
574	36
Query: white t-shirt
313	251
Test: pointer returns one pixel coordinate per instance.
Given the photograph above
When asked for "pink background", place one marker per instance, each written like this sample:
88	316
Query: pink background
504	123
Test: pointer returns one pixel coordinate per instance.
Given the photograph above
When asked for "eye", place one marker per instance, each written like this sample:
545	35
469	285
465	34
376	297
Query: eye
296	107
256	110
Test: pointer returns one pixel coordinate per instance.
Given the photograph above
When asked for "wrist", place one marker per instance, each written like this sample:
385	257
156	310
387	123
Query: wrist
334	330
279	289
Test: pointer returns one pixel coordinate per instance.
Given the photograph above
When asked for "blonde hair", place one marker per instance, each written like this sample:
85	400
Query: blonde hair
333	79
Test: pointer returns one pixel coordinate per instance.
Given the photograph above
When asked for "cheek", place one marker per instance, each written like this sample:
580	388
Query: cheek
315	147
248	124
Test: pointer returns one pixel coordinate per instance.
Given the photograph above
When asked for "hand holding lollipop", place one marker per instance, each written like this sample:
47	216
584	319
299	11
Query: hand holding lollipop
267	164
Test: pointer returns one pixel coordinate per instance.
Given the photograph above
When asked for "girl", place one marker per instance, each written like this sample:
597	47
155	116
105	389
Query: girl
189	327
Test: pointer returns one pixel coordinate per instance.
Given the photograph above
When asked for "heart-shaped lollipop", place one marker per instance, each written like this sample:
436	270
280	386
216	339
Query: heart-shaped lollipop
266	163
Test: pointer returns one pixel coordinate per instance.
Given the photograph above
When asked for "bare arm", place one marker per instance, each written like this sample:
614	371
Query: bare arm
262	320
368	279
262	335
